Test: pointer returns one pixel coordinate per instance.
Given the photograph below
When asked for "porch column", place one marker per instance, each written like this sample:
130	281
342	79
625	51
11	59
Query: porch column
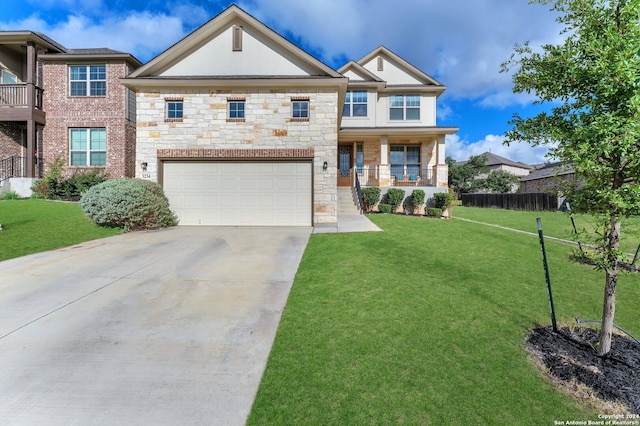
384	150
385	170
31	104
441	169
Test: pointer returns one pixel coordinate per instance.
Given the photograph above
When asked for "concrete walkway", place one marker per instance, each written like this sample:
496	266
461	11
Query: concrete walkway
171	327
348	223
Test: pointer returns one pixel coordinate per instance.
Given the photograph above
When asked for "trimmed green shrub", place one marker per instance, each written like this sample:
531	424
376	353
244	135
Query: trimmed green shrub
442	200
132	204
370	197
10	195
434	212
395	196
384	208
417	199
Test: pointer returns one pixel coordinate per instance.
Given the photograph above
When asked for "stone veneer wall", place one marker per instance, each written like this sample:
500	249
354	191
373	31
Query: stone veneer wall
267	125
110	111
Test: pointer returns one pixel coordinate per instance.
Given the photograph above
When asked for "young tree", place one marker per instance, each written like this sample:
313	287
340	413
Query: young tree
462	177
501	181
592	82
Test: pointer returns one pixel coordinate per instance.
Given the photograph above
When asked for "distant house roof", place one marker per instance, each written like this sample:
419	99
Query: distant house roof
99	53
549	170
496	160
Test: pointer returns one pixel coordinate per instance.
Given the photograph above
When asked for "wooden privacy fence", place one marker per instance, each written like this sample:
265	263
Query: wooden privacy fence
534	201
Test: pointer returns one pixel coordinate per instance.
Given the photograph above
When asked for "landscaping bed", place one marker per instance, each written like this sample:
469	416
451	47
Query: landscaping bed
570	358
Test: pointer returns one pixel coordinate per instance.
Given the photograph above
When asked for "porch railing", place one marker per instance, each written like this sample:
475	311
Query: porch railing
404	176
15	95
411	176
358	191
12	167
369	175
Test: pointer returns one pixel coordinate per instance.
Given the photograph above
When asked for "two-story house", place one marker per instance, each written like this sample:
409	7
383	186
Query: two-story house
389	135
242	127
59	102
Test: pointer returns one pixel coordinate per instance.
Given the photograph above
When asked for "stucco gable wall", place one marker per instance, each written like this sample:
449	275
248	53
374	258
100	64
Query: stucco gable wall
391	73
257	58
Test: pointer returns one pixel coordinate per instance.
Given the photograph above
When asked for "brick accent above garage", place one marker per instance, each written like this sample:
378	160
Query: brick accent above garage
236	153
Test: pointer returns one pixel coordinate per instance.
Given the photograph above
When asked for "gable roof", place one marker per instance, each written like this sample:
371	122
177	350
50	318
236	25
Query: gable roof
410	69
364	74
233	15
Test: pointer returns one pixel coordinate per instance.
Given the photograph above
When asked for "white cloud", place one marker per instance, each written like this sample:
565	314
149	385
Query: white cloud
459	42
142	34
461	150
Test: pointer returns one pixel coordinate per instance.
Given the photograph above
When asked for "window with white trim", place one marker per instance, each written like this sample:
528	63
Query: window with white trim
355	104
300	109
404	107
405	161
175	110
88	147
88	80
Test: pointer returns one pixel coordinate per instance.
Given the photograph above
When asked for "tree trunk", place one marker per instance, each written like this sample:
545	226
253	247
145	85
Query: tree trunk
609	305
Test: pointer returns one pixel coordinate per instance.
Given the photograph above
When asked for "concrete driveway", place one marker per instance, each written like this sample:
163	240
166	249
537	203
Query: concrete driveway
168	327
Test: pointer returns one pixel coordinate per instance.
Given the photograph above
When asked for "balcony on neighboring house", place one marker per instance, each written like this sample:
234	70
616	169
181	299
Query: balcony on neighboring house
17	103
21	97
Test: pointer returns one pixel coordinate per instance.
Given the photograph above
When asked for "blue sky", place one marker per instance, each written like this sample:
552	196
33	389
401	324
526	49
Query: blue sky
461	43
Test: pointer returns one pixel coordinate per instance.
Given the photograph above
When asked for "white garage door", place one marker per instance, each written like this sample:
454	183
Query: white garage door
239	193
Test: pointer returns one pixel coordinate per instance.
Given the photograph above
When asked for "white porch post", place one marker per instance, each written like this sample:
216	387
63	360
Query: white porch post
385	169
441	170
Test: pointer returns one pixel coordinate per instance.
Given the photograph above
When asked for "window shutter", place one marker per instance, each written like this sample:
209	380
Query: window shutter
237	38
380	63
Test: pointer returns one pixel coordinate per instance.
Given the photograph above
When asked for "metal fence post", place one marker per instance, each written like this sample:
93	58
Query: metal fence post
546	276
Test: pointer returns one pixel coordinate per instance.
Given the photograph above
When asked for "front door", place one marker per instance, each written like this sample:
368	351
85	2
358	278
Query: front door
345	155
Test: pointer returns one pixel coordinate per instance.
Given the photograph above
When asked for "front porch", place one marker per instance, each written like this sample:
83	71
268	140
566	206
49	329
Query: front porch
393	162
387	176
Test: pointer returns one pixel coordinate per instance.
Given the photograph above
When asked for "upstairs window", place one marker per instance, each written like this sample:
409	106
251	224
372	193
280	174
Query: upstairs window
404	107
175	110
88	147
355	104
300	109
8	77
235	109
88	80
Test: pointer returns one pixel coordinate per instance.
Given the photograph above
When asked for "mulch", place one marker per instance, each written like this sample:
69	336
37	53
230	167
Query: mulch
570	356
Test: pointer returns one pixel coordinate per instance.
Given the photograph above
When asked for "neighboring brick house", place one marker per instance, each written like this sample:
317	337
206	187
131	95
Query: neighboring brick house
547	178
242	127
63	102
91	116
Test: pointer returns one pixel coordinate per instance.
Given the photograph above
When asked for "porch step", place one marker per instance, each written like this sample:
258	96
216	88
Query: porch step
346	204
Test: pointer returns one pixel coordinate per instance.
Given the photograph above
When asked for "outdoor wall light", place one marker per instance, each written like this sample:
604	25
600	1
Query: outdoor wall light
144	166
325	165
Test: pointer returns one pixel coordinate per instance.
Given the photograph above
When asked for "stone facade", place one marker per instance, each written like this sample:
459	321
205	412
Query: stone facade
267	126
110	112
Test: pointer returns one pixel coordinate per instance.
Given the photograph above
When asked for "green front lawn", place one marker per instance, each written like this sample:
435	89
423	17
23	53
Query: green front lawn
32	226
424	323
554	224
